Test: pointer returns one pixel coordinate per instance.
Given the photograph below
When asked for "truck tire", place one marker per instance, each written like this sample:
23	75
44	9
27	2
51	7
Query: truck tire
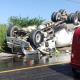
78	14
56	16
35	38
10	31
72	18
63	12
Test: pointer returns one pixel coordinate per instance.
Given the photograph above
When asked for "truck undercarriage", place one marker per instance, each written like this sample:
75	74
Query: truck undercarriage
43	40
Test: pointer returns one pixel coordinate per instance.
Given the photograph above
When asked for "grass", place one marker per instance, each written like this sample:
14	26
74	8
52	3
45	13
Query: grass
3	30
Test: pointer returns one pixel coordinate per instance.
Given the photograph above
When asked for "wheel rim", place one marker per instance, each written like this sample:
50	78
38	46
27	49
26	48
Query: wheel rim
38	38
75	20
14	32
58	16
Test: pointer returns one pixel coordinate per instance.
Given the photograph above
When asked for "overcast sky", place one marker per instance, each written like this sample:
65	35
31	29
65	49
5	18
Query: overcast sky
35	8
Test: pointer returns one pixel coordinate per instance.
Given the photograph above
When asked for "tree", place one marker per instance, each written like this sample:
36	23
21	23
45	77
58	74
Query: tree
24	22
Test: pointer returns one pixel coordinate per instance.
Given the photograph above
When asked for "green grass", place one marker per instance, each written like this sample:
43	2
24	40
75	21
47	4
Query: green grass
3	30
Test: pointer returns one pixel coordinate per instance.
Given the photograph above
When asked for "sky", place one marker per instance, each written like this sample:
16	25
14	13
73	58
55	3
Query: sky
35	8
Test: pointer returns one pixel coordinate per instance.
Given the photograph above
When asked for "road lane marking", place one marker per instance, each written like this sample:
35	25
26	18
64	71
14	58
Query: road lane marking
28	68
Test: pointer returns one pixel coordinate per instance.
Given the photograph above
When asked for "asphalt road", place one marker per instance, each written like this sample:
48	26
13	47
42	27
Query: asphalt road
54	72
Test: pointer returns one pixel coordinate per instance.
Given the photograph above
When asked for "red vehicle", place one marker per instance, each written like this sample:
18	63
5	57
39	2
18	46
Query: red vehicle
75	55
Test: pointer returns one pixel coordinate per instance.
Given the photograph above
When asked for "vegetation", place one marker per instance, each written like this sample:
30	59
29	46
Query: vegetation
3	30
24	22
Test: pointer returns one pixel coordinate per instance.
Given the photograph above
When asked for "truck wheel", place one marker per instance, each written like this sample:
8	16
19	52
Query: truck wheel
36	37
78	14
11	30
63	12
72	18
56	16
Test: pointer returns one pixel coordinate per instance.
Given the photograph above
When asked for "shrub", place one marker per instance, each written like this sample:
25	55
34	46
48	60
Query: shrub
24	22
3	30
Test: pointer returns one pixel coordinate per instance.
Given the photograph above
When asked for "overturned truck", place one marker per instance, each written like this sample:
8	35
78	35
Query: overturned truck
43	40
